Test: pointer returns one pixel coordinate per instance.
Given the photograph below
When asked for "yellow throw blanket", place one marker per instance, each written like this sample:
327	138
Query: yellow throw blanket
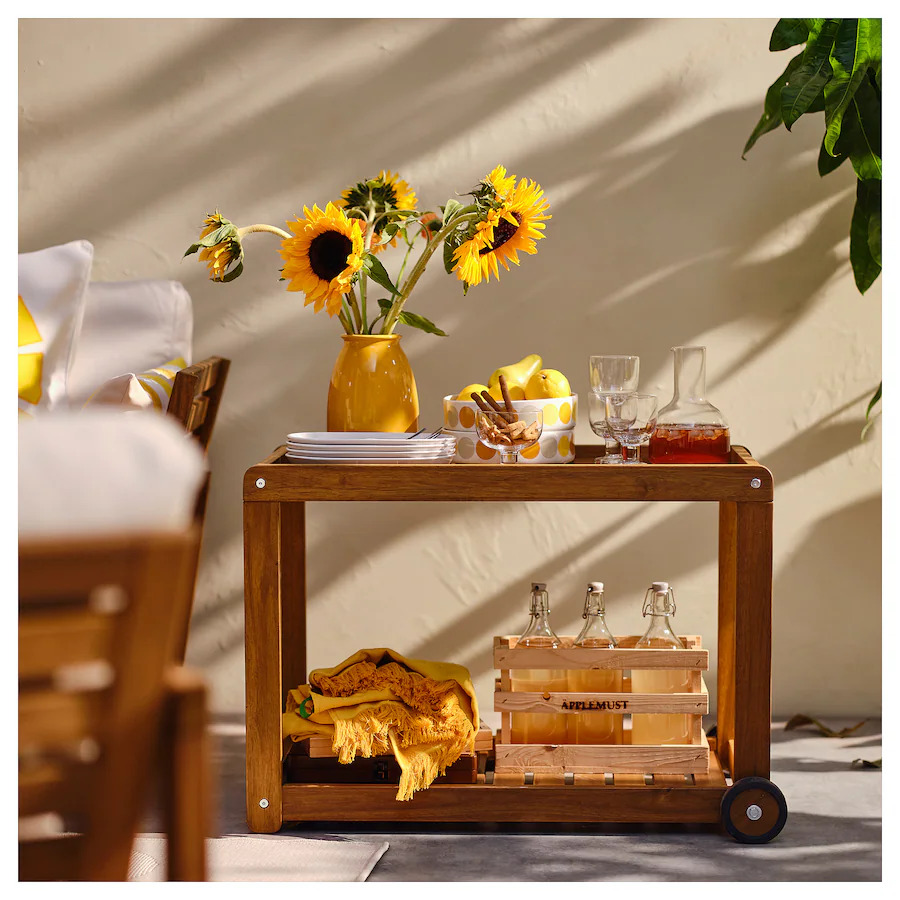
378	701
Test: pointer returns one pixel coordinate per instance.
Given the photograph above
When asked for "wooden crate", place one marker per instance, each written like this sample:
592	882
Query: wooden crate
601	759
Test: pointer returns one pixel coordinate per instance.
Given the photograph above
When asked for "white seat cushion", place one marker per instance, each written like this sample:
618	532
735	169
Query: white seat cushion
129	326
104	471
52	286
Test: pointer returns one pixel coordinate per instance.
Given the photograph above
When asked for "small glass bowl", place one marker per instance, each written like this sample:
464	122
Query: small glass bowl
508	433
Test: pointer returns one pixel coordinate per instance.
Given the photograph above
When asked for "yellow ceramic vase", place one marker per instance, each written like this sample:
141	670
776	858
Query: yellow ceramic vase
372	386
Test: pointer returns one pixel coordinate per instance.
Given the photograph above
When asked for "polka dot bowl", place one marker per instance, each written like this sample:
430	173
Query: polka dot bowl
553	447
559	413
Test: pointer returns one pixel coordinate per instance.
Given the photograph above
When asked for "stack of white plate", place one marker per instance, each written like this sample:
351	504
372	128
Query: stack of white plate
381	447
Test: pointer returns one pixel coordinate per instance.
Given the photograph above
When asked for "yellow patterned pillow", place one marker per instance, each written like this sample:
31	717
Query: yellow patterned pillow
144	390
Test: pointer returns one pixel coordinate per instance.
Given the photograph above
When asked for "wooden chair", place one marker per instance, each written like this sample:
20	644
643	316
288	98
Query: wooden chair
103	713
196	395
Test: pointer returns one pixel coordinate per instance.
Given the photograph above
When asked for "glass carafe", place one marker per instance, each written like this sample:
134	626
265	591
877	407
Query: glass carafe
595	727
690	429
539	728
662	728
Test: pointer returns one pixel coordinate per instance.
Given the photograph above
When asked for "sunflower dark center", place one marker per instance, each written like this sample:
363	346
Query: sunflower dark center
503	231
328	254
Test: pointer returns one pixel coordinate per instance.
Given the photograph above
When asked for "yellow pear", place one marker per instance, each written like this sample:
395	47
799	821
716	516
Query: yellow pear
469	389
547	384
518	373
515	392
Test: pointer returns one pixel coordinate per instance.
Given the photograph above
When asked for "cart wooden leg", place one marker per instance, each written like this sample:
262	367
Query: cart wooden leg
725	663
262	655
292	574
752	640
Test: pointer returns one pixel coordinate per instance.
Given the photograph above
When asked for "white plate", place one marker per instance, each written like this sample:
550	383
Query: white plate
382	460
364	438
365	454
437	450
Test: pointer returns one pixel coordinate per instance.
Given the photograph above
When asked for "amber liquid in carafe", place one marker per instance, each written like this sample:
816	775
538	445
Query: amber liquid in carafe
595	727
697	444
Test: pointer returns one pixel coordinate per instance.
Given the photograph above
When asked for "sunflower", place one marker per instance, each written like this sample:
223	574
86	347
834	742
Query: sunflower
387	191
501	183
323	257
502	233
220	248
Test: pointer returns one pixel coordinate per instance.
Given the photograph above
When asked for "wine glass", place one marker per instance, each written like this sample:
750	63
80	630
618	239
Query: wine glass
631	418
597	418
508	433
612	376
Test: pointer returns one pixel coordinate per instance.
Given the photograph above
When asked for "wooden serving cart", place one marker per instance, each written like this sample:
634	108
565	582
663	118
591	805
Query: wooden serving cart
735	791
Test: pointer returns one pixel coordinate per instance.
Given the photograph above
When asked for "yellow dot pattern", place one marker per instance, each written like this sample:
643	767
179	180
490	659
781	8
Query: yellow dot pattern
565	412
551	414
485	452
466	417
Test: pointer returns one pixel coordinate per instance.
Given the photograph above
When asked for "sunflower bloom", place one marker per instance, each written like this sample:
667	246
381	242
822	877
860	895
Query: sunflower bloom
502	183
386	191
502	234
220	248
323	256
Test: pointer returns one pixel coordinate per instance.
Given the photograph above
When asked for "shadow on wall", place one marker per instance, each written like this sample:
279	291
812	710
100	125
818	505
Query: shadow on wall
669	230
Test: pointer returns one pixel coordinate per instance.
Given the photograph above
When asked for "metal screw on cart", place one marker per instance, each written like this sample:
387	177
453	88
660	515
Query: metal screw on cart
754	813
754	483
264	803
260	482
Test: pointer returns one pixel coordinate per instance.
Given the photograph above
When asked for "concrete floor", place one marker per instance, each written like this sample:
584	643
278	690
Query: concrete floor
833	832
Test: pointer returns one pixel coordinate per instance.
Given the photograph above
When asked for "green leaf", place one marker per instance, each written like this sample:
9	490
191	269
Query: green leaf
865	267
858	43
450	208
420	322
808	81
385	305
875	234
788	33
451	243
863	122
220	234
875	398
771	117
377	272
828	163
233	273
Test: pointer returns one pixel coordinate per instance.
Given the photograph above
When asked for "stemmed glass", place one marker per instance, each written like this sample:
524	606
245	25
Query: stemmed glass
631	418
508	433
611	376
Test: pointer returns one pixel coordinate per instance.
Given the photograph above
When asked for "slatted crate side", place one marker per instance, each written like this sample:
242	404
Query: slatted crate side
617	759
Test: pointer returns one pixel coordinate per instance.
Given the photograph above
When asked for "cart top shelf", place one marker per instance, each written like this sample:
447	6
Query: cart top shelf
277	479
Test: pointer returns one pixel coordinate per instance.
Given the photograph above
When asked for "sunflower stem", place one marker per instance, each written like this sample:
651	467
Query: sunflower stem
417	270
250	229
344	316
357	316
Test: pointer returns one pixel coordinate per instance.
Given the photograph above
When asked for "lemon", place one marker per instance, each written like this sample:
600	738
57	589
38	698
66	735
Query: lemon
515	392
468	390
547	384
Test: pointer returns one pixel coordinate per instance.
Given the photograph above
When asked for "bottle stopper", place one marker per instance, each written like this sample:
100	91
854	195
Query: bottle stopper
660	586
538	586
595	587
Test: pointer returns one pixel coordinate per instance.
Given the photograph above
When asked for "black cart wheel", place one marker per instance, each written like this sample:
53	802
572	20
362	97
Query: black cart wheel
753	810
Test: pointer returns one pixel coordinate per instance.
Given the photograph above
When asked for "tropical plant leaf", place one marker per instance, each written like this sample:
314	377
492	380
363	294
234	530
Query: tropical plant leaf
799	720
789	33
875	398
875	234
868	200
808	81
377	272
420	322
828	163
863	122
866	764
856	46
771	116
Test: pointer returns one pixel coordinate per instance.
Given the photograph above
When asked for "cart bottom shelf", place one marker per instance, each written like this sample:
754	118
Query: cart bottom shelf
508	798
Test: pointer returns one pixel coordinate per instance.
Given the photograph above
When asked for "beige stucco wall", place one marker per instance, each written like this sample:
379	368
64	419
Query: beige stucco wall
131	130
